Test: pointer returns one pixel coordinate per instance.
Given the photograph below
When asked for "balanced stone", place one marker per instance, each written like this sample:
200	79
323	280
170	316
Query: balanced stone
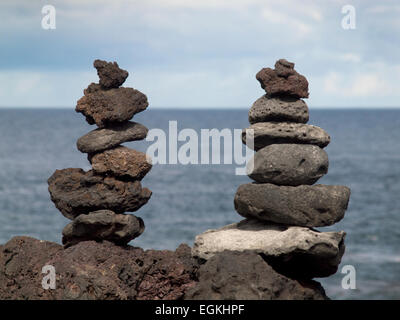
122	162
279	109
283	80
110	74
289	164
296	251
234	275
112	136
308	206
76	192
103	225
266	133
108	106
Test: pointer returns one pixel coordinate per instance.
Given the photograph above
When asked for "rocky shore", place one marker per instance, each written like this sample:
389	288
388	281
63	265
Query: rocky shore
274	253
105	271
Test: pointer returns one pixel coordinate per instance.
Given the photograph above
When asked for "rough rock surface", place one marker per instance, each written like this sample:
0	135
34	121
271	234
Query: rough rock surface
92	270
76	192
122	162
266	133
246	276
110	74
278	109
103	225
109	106
307	206
298	252
289	164
283	80
112	136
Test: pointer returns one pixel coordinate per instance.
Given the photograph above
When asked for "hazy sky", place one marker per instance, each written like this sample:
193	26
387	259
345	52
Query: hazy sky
200	53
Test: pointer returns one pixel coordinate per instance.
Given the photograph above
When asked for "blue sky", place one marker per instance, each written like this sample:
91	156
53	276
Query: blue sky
200	53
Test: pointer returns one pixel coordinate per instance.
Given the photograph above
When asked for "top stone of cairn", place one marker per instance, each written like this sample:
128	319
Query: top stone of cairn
110	74
283	80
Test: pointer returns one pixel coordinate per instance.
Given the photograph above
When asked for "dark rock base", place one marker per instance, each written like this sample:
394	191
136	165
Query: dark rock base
92	270
104	271
234	275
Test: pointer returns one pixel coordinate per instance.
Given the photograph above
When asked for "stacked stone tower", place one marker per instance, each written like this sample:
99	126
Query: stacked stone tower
96	200
282	206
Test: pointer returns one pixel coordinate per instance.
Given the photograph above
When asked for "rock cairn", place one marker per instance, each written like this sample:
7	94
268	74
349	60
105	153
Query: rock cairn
96	200
283	206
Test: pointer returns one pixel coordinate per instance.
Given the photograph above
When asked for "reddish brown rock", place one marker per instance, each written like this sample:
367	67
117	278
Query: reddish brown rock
102	107
93	270
283	80
110	74
103	225
76	192
122	162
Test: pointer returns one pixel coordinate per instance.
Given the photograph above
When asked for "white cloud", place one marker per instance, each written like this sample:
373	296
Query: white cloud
350	57
376	83
188	52
301	28
383	9
42	89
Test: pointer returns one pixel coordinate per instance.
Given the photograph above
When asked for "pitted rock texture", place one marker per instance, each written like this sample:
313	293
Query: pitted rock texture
76	192
110	74
121	162
283	80
298	252
307	206
112	136
288	164
105	107
103	225
282	109
267	133
233	275
93	270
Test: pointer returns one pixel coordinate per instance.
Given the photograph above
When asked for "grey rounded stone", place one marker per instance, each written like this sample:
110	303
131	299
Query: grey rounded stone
294	251
266	133
289	164
103	225
102	139
279	109
307	206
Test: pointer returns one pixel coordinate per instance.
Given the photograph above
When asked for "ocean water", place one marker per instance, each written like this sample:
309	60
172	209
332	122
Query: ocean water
364	154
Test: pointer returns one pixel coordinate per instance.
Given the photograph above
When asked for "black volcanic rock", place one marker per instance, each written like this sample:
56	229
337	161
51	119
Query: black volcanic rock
234	275
305	206
267	133
289	164
76	192
278	109
103	225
